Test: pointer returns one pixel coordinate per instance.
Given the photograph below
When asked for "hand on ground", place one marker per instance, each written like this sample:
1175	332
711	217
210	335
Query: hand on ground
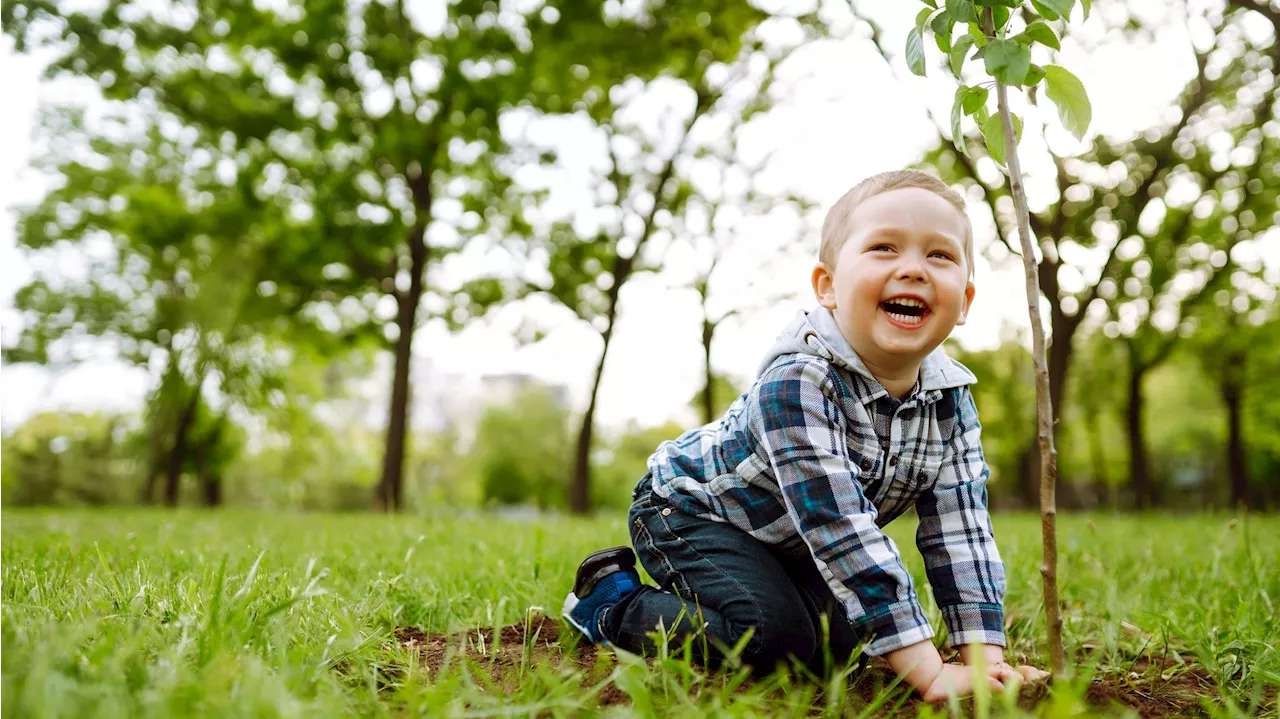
1011	676
956	680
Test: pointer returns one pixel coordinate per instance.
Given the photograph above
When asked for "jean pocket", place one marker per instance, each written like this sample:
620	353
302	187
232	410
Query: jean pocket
651	537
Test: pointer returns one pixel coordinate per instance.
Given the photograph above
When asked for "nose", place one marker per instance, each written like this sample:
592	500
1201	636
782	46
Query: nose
911	269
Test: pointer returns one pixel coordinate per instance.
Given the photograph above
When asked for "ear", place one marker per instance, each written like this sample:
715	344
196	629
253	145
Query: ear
968	300
824	286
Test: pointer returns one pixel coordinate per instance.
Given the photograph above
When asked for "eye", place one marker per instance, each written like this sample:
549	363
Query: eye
944	255
882	247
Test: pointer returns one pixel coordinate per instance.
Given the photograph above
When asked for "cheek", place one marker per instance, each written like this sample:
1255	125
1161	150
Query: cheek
863	295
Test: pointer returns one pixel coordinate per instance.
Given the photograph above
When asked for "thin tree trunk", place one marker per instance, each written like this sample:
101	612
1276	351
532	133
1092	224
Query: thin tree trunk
1237	468
154	463
178	452
211	486
1044	406
391	486
1098	457
708	390
580	489
210	480
1139	468
158	419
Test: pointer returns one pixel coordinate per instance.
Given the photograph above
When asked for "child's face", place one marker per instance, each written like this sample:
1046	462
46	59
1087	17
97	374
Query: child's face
901	281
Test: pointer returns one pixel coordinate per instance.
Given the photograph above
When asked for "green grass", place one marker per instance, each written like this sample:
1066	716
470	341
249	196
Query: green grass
153	613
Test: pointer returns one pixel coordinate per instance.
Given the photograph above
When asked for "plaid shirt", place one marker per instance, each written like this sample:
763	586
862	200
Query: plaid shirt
819	449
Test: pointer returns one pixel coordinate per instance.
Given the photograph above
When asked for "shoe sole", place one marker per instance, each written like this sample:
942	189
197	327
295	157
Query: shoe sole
566	611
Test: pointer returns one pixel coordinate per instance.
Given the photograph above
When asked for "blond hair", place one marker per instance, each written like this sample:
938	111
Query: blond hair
836	228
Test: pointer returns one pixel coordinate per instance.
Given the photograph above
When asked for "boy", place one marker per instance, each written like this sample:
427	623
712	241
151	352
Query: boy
769	520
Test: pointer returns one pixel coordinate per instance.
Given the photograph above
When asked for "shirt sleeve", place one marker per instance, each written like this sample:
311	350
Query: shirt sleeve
956	539
804	434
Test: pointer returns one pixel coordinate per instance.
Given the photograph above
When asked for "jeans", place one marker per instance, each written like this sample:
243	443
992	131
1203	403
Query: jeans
714	576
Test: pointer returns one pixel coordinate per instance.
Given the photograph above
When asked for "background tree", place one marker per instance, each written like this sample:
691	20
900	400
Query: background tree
727	218
374	126
175	257
642	186
1235	343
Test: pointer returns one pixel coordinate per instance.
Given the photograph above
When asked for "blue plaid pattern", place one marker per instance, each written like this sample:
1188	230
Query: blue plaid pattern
800	454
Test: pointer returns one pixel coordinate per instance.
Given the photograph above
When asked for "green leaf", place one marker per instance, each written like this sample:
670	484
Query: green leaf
993	133
915	51
1061	7
974	100
1045	11
998	3
958	51
962	10
957	134
1086	4
1039	31
941	24
923	16
1034	75
1007	61
1067	92
1000	15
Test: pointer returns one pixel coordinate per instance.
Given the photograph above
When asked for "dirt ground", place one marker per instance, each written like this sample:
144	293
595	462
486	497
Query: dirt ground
1176	690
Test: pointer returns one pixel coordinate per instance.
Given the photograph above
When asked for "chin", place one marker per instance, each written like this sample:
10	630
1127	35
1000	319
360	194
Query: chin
898	345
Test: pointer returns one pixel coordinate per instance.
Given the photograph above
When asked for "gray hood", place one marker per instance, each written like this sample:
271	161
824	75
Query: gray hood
815	333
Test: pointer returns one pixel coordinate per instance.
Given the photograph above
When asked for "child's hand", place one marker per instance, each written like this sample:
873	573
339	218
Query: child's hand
956	680
1008	675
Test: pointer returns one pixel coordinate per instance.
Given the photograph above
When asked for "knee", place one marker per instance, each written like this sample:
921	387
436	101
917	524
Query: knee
778	636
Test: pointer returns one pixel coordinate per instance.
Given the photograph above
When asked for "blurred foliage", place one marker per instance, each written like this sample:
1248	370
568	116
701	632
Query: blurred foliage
621	460
69	458
271	196
521	450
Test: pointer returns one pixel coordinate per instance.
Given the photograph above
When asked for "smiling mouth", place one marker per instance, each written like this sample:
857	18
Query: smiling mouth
905	311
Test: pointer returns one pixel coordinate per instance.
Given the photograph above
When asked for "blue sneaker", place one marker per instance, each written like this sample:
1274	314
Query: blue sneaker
604	578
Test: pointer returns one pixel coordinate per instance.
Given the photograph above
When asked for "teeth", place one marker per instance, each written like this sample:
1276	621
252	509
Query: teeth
905	319
907	301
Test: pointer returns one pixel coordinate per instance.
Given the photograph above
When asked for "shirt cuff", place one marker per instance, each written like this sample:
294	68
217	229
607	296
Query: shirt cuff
894	627
974	624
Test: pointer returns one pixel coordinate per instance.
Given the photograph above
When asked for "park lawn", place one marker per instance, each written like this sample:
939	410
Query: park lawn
172	613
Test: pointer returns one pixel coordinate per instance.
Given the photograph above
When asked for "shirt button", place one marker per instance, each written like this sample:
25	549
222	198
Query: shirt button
893	461
866	464
666	512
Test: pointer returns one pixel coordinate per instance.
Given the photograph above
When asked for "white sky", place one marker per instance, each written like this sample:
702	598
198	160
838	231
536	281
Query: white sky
846	117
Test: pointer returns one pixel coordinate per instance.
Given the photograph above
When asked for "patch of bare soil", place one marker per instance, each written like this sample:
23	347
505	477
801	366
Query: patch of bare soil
1151	688
1160	688
535	642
